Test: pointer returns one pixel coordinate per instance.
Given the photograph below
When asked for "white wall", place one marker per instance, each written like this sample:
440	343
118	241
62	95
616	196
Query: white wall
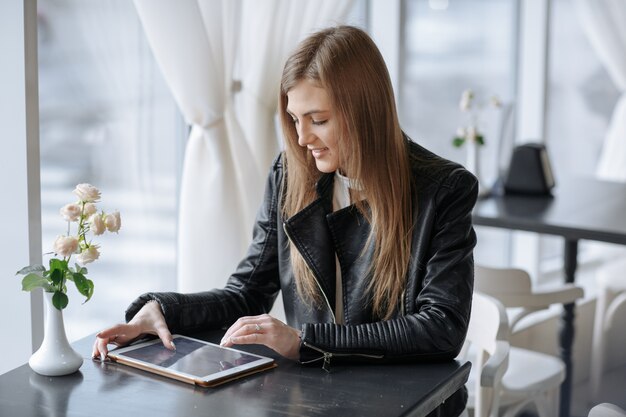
21	238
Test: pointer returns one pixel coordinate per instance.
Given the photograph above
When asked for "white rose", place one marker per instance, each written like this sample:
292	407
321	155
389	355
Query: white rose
96	224
466	100
113	221
65	245
90	208
460	132
70	212
88	255
87	193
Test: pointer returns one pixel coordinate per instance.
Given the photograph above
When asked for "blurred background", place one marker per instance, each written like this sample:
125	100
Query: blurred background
108	117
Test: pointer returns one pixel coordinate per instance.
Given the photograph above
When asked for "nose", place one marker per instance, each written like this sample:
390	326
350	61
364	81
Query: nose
304	136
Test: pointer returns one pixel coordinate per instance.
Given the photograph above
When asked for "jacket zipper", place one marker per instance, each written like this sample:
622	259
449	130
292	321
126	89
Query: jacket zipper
328	356
316	280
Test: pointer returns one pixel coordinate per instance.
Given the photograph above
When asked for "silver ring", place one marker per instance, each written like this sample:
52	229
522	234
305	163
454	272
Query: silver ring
257	327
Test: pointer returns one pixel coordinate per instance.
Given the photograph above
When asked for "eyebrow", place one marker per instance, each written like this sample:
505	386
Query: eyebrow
310	112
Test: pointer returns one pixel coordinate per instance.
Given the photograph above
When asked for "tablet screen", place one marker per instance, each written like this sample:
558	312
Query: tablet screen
192	357
196	359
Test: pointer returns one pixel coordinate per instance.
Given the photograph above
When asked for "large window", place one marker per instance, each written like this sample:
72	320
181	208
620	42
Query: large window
450	47
107	118
581	95
581	98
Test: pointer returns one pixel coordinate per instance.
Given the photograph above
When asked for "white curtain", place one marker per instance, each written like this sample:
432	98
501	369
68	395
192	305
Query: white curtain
222	59
604	21
115	62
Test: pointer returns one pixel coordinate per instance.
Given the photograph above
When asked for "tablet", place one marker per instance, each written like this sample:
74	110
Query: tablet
194	361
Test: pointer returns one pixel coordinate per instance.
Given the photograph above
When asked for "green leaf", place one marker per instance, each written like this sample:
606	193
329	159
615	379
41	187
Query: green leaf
58	269
59	300
79	279
84	286
457	142
90	291
33	280
56	276
58	264
480	139
31	268
81	269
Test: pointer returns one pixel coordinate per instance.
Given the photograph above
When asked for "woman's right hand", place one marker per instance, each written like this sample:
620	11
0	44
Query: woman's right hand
148	320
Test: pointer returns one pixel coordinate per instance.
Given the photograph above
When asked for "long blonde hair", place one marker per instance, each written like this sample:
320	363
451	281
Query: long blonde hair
372	149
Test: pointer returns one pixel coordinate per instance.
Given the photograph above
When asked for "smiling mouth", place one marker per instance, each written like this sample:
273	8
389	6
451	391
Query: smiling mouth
318	152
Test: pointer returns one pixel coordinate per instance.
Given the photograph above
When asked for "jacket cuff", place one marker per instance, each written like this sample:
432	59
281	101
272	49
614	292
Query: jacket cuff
308	356
165	300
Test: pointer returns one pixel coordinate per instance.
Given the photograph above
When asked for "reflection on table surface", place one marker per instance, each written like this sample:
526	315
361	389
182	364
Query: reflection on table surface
108	388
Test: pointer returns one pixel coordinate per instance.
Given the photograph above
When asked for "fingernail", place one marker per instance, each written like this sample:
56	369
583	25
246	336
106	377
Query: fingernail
173	345
233	339
102	357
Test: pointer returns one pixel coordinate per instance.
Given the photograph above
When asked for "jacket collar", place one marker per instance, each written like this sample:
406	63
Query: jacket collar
309	232
324	187
319	233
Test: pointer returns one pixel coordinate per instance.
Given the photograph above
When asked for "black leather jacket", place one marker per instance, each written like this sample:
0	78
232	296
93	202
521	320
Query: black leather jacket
430	324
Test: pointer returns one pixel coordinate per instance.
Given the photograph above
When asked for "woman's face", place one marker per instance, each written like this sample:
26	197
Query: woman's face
309	107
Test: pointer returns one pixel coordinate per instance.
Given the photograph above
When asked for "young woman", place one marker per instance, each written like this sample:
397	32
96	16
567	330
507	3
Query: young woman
367	234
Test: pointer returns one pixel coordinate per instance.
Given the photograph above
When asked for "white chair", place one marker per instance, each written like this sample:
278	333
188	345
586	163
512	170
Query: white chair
513	287
606	410
487	347
531	381
611	280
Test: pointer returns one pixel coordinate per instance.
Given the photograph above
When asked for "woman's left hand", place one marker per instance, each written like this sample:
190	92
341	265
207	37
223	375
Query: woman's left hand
264	330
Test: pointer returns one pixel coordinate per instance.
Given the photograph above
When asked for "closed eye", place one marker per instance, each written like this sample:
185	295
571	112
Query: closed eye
318	122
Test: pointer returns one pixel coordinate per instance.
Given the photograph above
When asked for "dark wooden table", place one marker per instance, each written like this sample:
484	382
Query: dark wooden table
109	389
581	208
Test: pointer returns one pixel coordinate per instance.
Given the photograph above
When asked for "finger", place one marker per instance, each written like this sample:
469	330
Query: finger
100	349
235	328
166	337
116	335
231	330
95	351
254	330
119	339
111	332
248	339
242	322
240	328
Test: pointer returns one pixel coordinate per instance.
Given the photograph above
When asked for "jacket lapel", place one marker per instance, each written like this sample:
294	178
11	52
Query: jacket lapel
309	232
349	230
319	233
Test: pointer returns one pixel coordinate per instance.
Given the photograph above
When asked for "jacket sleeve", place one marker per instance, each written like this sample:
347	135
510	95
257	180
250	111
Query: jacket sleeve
436	329
251	290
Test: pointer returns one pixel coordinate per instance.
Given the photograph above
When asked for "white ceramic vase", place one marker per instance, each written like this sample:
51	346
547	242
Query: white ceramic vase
473	165
56	356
